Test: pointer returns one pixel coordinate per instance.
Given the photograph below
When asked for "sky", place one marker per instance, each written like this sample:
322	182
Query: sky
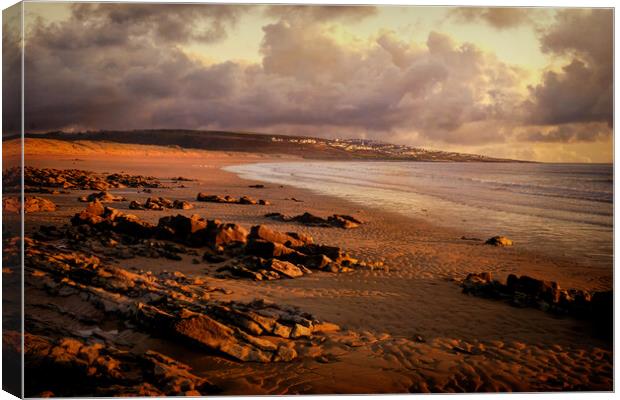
525	83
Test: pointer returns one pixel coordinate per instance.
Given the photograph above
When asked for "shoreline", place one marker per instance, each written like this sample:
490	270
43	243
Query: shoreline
458	232
412	314
561	269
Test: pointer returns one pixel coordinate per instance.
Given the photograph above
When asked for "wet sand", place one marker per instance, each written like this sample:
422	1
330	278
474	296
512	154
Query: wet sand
411	328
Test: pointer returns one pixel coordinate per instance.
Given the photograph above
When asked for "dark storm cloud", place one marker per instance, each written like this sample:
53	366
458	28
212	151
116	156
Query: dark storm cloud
497	17
307	82
85	74
583	90
167	22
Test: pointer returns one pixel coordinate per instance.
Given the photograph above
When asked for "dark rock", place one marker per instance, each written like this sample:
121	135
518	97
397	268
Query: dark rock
214	335
499	241
31	204
182	228
103	196
182	205
247	200
38	204
336	220
133	226
526	291
284	268
229	199
134	205
261	232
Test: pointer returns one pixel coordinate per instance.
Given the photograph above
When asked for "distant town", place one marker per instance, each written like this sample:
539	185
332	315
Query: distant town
389	150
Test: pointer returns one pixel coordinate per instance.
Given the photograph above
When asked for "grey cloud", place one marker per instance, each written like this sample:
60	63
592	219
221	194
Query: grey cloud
307	83
110	24
582	33
583	90
498	17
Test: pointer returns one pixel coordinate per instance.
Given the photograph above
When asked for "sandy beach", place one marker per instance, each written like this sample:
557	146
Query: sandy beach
405	326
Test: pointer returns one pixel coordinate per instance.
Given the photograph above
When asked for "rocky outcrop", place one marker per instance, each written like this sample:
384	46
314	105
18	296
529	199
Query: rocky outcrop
525	291
103	370
133	181
175	305
261	254
230	200
38	204
274	255
103	196
499	241
160	203
192	231
335	220
31	204
41	179
197	231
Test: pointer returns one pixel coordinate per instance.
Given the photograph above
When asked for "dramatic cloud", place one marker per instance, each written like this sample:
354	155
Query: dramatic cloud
109	23
307	82
582	91
498	17
112	66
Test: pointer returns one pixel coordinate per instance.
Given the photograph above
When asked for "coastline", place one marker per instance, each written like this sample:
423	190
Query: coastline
414	297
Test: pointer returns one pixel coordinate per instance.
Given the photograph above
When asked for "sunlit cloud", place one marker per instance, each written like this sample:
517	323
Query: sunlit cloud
312	71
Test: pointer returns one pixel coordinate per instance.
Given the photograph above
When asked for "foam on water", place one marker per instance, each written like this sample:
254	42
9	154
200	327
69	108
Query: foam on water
554	208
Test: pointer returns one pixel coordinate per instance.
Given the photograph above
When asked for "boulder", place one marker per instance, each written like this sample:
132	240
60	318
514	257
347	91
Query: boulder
247	200
336	220
181	228
261	232
182	205
499	241
38	204
134	205
302	237
229	199
534	288
95	208
215	198
133	226
266	249
102	196
219	234
310	219
525	291
32	204
284	268
161	203
217	336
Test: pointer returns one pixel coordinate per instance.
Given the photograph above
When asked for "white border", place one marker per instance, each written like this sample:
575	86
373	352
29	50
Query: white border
503	3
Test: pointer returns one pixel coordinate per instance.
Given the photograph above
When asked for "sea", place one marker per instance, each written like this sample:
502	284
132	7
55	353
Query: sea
564	209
